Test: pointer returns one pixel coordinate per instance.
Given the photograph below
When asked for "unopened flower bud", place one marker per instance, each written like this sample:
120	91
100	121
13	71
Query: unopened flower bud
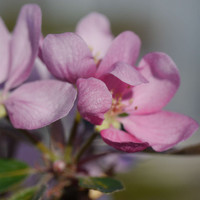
59	166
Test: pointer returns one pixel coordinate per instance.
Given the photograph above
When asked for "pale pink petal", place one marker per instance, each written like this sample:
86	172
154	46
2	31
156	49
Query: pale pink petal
40	46
95	30
122	141
4	51
122	77
37	104
94	99
42	69
124	48
161	130
68	57
24	45
163	76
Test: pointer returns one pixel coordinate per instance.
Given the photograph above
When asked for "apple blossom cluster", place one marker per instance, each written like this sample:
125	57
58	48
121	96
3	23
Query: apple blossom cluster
108	82
95	72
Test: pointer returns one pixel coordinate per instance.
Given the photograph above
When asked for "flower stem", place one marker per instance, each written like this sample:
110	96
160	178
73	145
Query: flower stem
85	146
44	149
68	150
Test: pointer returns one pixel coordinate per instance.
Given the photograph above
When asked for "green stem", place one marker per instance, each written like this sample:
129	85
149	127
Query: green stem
17	173
44	149
85	146
68	150
74	129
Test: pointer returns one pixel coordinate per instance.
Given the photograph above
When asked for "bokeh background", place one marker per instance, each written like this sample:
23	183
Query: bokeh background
172	27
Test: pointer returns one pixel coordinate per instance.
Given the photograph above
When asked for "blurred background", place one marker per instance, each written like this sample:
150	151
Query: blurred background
172	27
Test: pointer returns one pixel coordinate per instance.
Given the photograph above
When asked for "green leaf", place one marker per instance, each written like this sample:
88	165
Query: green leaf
103	184
26	194
11	173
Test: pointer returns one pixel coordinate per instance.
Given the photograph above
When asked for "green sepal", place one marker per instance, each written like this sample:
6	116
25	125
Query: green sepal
103	184
26	194
11	173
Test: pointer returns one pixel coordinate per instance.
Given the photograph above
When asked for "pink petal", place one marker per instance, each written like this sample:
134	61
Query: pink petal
24	45
122	141
94	99
40	46
122	77
163	76
95	30
68	57
37	104
161	130
4	51
125	48
127	74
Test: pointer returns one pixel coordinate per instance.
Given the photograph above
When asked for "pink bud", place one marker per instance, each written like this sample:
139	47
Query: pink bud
59	166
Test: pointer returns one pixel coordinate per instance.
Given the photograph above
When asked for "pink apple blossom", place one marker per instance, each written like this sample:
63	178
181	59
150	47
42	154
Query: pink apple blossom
114	86
146	121
68	58
37	104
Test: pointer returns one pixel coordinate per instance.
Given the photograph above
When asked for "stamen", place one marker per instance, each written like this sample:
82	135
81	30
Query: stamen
131	101
90	48
96	60
117	107
97	54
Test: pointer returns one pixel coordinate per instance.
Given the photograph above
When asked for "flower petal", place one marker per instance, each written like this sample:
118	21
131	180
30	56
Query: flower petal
40	46
122	77
125	48
37	104
127	74
68	57
94	99
95	30
163	76
161	130
122	141
4	51
24	45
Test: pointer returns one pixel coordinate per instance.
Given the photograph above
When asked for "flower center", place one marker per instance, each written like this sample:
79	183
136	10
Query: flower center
111	116
117	107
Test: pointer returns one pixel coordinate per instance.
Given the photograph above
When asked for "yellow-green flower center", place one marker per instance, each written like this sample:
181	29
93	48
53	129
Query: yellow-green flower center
110	117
